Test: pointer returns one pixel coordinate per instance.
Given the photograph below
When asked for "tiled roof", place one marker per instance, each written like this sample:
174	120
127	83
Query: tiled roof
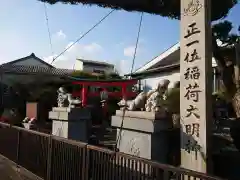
34	70
28	57
95	62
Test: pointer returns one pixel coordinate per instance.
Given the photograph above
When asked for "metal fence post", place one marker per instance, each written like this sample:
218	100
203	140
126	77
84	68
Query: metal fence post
18	146
49	158
86	163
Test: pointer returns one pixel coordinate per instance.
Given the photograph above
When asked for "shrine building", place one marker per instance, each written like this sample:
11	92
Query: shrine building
167	66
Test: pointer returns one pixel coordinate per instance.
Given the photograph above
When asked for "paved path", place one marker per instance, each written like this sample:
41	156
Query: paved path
9	172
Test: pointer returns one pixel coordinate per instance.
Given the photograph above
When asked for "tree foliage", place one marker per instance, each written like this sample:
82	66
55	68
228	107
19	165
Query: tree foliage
86	75
225	53
165	8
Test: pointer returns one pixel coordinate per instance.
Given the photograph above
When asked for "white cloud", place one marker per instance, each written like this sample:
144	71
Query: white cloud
86	48
120	44
123	66
93	47
141	41
49	59
60	35
68	59
129	51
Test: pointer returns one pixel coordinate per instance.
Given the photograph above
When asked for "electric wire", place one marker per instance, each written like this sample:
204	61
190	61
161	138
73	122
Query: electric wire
98	23
136	46
48	28
119	137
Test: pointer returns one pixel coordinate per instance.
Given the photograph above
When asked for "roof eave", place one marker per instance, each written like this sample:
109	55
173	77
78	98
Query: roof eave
27	57
158	70
160	57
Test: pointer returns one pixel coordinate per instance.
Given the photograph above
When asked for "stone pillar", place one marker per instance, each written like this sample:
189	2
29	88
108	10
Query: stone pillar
143	134
71	123
84	95
196	84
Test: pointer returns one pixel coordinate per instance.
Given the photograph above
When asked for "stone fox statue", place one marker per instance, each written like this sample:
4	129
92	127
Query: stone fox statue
65	99
133	105
149	101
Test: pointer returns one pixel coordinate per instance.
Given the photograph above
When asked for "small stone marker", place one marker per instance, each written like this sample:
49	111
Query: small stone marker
196	84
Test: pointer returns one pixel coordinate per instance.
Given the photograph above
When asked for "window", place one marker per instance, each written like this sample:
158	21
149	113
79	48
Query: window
98	71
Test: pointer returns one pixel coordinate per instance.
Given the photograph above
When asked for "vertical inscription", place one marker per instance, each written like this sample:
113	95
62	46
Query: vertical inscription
192	90
195	65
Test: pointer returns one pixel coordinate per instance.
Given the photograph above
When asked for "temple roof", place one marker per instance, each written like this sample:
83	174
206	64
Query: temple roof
34	70
32	55
91	62
101	80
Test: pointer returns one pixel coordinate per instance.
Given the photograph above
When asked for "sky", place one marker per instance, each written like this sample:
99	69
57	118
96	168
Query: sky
23	31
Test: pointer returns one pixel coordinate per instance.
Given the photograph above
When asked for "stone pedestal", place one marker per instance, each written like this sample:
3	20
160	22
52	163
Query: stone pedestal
71	123
28	126
143	134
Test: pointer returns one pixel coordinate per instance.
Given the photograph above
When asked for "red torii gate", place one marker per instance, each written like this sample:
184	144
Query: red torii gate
85	83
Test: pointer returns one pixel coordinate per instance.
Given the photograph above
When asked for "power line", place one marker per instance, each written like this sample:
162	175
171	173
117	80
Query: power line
49	34
135	50
124	110
99	22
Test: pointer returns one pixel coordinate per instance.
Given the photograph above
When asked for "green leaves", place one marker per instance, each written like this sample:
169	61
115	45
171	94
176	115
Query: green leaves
85	75
222	31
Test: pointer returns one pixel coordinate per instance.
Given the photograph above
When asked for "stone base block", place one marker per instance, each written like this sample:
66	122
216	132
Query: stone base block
72	123
66	114
146	135
144	145
28	125
145	125
77	130
143	114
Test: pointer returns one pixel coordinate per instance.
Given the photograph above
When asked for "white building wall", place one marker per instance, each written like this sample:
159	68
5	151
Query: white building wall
152	81
91	69
78	65
173	77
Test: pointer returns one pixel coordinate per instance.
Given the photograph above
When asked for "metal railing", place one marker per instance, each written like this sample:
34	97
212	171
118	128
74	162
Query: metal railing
55	158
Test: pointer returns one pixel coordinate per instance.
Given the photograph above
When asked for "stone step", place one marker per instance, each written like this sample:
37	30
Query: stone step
103	131
107	142
96	127
103	138
104	135
108	146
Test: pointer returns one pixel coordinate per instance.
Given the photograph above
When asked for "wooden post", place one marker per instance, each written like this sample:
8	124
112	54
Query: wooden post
196	84
124	92
18	146
49	158
84	95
